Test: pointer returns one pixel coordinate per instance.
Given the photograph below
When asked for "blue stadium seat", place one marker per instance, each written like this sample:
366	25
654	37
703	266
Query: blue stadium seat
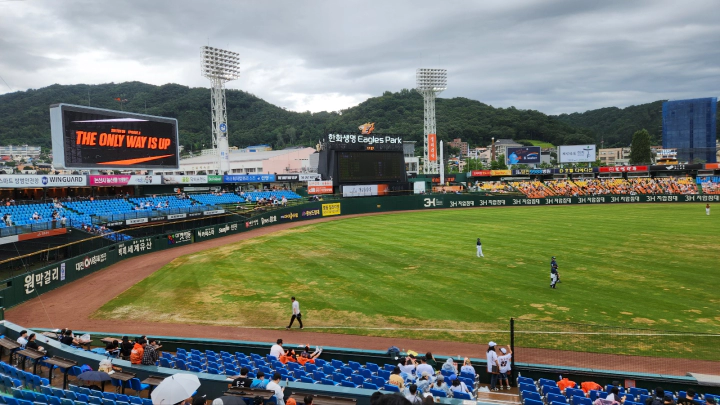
551	397
527	387
530	395
461	395
391	388
438	393
576	400
370	386
529	401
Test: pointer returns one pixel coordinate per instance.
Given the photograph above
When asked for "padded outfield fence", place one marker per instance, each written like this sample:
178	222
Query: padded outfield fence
580	344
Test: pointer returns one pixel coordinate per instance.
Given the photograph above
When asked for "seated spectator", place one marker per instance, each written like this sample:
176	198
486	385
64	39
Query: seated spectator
32	344
288	357
657	398
274	385
307	357
450	366
259	382
412	395
68	339
112	348
138	352
408	367
277	350
423	367
429	359
22	339
688	400
151	354
440	384
614	394
467	367
396	379
242	381
668	399
459	386
423	383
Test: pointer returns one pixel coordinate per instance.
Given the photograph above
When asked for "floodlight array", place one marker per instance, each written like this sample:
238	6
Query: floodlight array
220	64
431	79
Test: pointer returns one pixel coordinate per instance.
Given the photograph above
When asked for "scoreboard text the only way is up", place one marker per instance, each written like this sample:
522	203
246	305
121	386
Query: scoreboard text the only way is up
94	138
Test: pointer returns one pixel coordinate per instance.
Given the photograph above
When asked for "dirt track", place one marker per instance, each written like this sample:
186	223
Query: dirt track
70	306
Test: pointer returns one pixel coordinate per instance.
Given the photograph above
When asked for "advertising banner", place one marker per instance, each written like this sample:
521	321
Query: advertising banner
287	177
531	172
676	167
523	155
213	212
571	170
45	181
289	216
432	147
365	190
481	173
208	232
330	209
320	187
712	166
576	154
135	221
623	169
214	178
123	180
310	213
309	177
248	178
171	179
135	247
179	238
500	173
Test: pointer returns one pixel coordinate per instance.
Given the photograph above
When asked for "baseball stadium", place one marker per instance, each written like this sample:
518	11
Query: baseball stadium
572	285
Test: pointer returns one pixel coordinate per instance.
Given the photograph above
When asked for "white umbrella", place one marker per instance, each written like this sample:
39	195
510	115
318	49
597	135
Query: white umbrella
175	389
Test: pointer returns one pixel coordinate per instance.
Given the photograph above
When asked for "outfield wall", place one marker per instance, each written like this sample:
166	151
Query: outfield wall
21	288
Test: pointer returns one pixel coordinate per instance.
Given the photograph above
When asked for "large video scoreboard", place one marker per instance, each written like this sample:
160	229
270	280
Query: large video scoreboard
362	159
94	138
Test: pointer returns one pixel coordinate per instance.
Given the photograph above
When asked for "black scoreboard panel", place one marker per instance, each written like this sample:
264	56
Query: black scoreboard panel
370	167
85	137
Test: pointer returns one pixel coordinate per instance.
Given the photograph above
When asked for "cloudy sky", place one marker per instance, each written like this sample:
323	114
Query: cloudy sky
555	56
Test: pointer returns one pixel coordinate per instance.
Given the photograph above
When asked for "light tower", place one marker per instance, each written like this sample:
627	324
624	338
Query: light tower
430	82
220	66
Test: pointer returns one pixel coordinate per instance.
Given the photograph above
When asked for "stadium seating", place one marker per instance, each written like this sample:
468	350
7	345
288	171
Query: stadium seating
595	187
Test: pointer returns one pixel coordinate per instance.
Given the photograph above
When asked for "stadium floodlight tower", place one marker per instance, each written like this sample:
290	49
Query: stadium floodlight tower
220	66
430	82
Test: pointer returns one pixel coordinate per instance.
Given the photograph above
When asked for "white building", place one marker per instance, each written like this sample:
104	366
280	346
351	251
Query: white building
20	151
293	160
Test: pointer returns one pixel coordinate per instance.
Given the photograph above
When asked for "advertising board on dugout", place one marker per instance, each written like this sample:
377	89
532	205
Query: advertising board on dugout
93	138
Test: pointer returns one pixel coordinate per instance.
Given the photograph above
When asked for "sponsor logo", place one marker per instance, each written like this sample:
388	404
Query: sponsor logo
176	216
432	202
310	213
287	177
204	233
179	237
136	221
89	261
118	223
44	180
268	220
330	209
62	271
214	212
251	223
224	229
289	216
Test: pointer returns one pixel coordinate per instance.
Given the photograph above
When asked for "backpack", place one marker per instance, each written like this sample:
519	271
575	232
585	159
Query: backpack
393	351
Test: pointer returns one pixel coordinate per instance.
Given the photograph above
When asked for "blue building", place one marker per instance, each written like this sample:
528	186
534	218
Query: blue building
689	126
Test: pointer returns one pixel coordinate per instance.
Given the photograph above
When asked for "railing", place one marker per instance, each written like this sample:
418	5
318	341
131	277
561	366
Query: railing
41	226
102	219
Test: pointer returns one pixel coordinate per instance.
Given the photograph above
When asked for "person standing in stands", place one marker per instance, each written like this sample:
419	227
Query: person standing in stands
295	313
479	248
274	385
493	367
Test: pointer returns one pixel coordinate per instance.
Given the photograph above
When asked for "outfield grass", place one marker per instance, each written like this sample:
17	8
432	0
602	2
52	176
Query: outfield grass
642	266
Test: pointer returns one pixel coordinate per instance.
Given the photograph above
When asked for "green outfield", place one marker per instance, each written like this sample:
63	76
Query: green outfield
644	266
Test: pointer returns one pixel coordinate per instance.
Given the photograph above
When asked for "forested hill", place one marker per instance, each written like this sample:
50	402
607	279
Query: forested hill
24	117
616	125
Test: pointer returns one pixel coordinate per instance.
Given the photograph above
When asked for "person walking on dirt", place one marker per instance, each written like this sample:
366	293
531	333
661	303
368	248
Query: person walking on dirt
295	313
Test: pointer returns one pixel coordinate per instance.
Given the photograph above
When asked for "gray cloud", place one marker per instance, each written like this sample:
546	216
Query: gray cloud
554	56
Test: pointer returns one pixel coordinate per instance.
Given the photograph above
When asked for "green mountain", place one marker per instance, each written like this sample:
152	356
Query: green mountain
615	126
24	116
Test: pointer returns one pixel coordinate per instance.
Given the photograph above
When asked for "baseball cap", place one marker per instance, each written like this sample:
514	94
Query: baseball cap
441	377
492	344
553	257
425	374
503	350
